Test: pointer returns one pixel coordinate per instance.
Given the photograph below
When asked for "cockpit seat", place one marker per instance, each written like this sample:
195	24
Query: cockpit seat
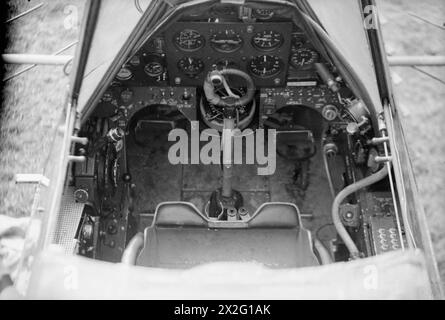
182	237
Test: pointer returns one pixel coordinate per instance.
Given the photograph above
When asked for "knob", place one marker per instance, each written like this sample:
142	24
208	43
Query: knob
329	112
186	95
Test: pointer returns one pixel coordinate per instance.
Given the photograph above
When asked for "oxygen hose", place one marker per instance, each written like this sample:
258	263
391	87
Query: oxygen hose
342	195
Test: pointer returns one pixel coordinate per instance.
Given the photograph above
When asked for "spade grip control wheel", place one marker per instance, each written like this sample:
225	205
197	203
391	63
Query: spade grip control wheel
216	78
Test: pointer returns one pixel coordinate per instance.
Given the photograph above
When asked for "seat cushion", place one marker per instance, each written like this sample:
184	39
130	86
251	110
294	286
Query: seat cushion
189	247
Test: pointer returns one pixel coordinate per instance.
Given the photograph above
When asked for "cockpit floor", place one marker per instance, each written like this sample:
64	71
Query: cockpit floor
156	180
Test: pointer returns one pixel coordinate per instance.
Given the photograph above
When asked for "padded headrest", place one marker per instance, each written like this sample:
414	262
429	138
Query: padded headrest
179	214
276	215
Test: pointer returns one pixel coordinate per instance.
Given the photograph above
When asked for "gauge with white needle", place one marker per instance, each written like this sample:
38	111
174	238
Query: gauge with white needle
304	58
265	66
191	66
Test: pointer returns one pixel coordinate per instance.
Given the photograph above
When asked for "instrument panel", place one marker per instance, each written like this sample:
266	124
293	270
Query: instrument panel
261	49
273	53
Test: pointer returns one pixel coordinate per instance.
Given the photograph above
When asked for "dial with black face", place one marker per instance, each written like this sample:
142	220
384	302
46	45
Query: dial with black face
189	40
154	69
263	14
265	66
191	67
267	40
226	41
304	58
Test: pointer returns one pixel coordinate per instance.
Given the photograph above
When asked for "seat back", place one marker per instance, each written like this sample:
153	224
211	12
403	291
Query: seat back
181	237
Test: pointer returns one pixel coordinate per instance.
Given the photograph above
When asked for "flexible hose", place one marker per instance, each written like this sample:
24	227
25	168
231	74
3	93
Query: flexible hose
342	195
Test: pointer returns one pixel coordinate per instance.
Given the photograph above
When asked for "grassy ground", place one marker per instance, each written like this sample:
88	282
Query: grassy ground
33	101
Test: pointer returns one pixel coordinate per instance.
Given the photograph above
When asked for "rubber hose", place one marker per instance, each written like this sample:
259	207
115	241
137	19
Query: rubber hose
342	195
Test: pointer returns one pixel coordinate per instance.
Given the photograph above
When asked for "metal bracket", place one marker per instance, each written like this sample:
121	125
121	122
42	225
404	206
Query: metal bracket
77	158
22	178
380	159
81	140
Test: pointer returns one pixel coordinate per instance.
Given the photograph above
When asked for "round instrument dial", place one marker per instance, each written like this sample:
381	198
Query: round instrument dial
263	14
304	58
265	66
226	41
154	69
124	74
191	66
189	40
267	40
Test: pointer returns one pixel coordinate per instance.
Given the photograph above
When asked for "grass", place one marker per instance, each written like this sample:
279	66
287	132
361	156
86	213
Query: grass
33	101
